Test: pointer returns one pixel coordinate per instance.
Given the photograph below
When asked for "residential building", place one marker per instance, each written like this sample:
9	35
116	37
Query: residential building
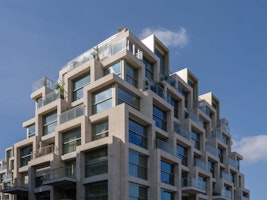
118	125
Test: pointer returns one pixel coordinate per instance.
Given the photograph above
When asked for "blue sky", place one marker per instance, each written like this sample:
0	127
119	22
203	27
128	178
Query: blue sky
223	42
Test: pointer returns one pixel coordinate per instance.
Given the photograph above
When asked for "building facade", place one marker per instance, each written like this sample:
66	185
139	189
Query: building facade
118	125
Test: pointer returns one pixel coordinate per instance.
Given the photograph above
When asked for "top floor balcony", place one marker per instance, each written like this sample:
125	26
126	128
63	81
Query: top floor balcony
43	82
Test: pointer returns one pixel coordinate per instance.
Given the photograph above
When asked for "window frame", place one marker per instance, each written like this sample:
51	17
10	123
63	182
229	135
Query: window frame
104	132
162	120
76	141
135	133
75	90
164	172
109	97
140	171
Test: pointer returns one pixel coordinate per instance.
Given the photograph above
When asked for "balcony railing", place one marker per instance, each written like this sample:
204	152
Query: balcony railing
244	198
3	167
61	172
52	96
202	106
219	136
195	118
192	182
7	176
165	147
44	151
201	164
224	126
181	131
43	82
212	149
71	114
226	177
233	163
224	193
15	183
155	87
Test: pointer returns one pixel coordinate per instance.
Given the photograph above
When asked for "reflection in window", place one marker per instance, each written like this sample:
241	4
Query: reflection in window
149	69
128	98
131	75
102	101
97	191
115	69
137	165
137	192
49	123
25	155
137	134
71	140
77	91
174	103
196	140
31	130
182	154
166	195
167	173
100	130
159	116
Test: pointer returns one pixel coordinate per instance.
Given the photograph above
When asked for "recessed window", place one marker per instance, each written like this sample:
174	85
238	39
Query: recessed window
31	130
137	165
167	173
98	190
102	101
149	69
25	155
71	140
77	92
131	75
166	195
100	130
195	140
162	61
137	192
182	154
49	123
211	168
96	162
137	134
220	154
115	69
174	103
126	97
159	116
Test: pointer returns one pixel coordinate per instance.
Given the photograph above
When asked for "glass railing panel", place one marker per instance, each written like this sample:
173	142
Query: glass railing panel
52	96
165	147
60	173
211	149
72	114
195	118
44	151
233	163
201	164
181	131
192	182
226	176
43	82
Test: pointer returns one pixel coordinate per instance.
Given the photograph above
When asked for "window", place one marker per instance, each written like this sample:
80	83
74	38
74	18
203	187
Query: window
137	134
211	168
96	162
137	192
167	173
97	191
182	154
202	183
77	90
102	101
232	174
49	123
25	155
174	103
100	130
159	117
128	98
149	69
31	130
224	139
196	140
137	165
70	168
166	195
220	154
115	69
71	140
162	61
131	75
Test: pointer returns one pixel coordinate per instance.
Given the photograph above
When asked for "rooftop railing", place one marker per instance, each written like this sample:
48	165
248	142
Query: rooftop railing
43	82
203	107
181	131
71	114
165	147
224	126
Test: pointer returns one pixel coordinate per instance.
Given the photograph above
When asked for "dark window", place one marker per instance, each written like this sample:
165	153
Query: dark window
166	195
174	103
167	173
97	191
182	154
25	155
137	192
159	116
137	165
149	69
126	97
195	139
137	134
100	130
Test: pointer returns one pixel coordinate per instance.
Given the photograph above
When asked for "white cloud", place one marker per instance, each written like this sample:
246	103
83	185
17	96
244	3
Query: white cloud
168	37
253	148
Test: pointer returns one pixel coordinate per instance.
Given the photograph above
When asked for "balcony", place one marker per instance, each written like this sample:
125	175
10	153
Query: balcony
43	82
200	164
63	177
3	167
233	163
156	88
71	114
49	98
193	186
191	115
17	186
181	131
44	151
219	136
204	108
226	177
222	195
165	147
224	126
210	148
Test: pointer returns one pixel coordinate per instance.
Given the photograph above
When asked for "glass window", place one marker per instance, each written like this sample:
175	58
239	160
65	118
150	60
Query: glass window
102	101
31	130
115	69
127	97
220	154
100	130
182	154
166	195
49	123
202	183
174	103
71	140
97	191
25	155
137	165
162	61
159	116
224	139
137	134
137	192
96	162
131	75
149	69
195	139
167	173
211	168
77	92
